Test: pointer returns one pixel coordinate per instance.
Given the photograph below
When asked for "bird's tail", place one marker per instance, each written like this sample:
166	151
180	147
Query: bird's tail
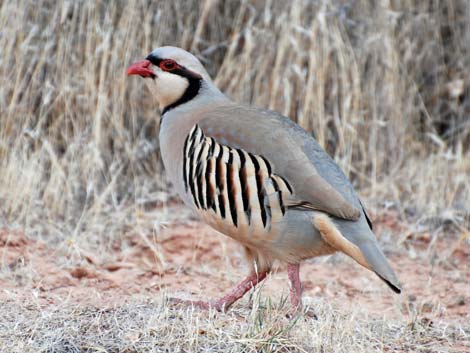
366	252
379	264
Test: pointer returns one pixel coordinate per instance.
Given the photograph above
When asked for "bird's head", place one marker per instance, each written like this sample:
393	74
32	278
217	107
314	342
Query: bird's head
173	75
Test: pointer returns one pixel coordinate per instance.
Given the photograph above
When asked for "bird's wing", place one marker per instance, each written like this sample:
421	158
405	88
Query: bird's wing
270	136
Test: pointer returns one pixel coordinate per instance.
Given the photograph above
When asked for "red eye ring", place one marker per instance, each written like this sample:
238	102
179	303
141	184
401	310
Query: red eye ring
168	65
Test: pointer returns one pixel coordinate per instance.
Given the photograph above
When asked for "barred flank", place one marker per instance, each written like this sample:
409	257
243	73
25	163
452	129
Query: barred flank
212	173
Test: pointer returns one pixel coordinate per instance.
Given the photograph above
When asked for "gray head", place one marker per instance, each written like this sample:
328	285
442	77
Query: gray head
172	74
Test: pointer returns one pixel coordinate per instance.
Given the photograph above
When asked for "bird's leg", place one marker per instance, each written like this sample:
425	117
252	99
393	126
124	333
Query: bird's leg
295	286
239	291
222	304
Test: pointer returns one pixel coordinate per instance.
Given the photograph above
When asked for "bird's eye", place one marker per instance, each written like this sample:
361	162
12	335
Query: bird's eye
168	65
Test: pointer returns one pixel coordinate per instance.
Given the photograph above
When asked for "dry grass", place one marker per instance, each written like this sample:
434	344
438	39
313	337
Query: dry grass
150	326
384	88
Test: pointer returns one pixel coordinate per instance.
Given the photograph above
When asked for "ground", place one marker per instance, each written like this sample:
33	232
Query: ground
190	260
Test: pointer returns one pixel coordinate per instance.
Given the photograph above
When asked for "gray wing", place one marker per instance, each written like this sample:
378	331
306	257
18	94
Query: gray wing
317	181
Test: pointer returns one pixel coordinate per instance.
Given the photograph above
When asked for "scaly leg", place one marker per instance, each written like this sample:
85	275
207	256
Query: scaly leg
295	286
228	299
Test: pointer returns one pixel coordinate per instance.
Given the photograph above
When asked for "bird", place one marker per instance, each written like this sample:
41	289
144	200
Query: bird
256	176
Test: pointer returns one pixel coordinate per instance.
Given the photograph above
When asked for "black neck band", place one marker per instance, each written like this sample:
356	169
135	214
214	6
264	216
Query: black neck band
191	91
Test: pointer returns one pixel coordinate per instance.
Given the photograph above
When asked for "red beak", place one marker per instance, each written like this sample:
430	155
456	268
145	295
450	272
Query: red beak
141	68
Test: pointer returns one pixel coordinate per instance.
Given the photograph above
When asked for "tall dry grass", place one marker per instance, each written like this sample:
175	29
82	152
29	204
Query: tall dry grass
385	88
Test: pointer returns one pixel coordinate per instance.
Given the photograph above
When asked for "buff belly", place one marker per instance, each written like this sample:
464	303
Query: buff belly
291	240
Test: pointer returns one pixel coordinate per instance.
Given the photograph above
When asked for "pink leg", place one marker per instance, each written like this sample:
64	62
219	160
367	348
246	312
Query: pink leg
295	286
228	299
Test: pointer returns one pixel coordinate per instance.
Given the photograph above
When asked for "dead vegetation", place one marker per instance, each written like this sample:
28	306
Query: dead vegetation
150	326
385	88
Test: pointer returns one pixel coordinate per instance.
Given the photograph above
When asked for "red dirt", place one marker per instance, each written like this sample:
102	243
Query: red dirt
193	261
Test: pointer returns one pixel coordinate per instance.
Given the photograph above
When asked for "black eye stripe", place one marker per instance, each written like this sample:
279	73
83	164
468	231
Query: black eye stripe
154	60
179	69
166	62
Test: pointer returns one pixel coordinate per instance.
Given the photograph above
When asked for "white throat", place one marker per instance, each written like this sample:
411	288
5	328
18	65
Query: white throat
167	87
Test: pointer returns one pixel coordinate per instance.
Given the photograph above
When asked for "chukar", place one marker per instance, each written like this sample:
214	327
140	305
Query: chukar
256	176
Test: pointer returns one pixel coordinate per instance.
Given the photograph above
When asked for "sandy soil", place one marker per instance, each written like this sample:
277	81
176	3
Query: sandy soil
193	261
